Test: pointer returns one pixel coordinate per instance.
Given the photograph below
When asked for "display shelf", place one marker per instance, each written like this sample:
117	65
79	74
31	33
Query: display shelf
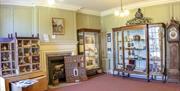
139	50
25	64
7	57
27	49
5	61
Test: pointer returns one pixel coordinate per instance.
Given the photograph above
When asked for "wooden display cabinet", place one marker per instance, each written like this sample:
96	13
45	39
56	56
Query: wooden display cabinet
139	51
28	57
20	60
89	46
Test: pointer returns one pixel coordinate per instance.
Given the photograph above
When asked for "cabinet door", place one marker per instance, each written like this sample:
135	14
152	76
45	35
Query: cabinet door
91	40
135	51
156	49
173	64
80	42
118	50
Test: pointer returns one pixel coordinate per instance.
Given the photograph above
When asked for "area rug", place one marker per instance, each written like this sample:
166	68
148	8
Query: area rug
111	83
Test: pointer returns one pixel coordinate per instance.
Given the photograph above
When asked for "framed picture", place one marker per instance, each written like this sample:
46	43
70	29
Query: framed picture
58	26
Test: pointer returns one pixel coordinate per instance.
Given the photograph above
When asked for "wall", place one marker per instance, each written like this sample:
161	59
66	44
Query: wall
88	21
28	20
45	15
15	19
159	13
31	20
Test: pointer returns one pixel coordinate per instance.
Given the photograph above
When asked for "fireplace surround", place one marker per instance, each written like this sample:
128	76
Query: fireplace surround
55	50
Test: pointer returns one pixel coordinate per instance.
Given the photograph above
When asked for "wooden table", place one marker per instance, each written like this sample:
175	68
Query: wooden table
40	86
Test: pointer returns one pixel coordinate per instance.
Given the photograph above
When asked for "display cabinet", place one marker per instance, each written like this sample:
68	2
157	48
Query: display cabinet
88	45
139	51
27	54
7	57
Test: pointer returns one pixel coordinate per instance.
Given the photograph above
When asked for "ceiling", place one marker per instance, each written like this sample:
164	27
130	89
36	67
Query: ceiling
96	5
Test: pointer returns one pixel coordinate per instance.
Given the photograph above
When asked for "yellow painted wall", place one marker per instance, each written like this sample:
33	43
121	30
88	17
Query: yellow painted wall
45	23
88	21
158	13
28	20
15	19
31	20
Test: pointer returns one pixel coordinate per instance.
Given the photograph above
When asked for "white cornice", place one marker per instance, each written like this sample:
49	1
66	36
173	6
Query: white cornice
45	4
90	12
59	6
141	4
4	2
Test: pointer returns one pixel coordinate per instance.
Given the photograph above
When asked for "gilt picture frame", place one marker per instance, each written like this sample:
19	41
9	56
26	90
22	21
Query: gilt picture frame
58	26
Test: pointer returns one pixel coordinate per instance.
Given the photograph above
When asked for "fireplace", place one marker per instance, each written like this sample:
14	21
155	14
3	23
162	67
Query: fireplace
55	49
56	68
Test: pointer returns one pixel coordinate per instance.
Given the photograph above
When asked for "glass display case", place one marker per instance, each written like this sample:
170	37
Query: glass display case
88	45
139	51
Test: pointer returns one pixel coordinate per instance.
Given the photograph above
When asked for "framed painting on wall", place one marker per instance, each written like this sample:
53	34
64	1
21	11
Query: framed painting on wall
58	26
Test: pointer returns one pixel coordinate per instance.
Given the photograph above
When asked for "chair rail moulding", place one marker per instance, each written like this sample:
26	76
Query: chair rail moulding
55	48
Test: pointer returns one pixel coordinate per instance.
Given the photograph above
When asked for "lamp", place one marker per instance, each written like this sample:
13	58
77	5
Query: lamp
122	12
51	2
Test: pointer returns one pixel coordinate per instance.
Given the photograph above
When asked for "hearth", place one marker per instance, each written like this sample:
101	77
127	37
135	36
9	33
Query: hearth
56	69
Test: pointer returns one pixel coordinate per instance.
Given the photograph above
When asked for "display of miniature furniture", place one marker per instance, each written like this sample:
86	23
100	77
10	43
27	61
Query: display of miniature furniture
139	51
88	45
75	68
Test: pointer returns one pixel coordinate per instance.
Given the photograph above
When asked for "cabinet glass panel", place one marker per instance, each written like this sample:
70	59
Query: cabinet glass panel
135	51
81	42
91	50
119	50
156	48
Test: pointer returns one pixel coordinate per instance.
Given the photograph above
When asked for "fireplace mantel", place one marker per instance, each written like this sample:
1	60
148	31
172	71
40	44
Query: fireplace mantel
47	48
58	43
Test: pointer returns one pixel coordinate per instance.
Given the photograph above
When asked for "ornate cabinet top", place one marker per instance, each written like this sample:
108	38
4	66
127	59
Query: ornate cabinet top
139	19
